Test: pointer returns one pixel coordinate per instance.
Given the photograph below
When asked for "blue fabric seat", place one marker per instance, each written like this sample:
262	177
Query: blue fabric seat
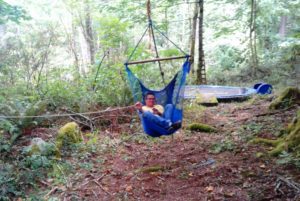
172	94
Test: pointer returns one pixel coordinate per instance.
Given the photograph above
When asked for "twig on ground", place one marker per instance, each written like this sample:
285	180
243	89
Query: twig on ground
275	112
88	123
277	187
50	192
210	161
101	187
266	114
80	122
290	183
161	178
183	187
82	185
45	183
101	177
95	195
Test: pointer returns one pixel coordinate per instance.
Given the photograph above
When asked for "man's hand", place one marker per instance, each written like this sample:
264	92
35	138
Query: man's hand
138	106
155	111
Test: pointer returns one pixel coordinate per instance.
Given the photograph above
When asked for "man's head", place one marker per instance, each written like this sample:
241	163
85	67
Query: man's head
150	99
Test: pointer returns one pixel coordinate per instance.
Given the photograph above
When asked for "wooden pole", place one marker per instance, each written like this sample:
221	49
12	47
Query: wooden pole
149	19
154	60
151	32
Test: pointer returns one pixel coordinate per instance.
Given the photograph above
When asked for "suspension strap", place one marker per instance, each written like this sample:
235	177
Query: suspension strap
137	45
169	40
98	69
151	28
153	60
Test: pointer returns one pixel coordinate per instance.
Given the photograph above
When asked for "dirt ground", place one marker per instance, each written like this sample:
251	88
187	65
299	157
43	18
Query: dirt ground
189	165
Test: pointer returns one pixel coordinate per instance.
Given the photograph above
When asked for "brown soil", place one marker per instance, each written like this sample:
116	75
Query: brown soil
137	167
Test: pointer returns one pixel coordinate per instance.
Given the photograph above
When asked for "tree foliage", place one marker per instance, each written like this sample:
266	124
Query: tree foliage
51	61
11	13
49	56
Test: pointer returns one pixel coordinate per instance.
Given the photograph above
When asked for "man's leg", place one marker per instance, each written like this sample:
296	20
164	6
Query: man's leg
165	123
168	115
168	112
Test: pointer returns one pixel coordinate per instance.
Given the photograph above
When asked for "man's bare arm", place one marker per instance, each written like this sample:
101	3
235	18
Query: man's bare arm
139	106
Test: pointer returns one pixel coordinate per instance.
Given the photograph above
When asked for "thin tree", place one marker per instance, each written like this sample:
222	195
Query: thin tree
193	36
252	37
89	32
201	75
283	26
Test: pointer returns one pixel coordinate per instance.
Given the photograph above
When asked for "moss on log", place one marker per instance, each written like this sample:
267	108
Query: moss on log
68	134
201	128
206	100
150	169
290	142
287	98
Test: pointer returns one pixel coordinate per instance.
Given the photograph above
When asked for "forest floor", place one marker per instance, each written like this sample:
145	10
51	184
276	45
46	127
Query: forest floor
188	166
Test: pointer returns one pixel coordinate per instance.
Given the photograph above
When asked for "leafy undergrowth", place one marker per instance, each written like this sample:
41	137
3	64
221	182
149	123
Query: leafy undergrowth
128	165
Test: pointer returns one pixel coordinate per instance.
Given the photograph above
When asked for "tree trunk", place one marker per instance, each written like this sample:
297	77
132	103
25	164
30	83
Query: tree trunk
73	48
44	59
193	36
252	38
282	28
167	25
255	34
89	32
201	76
71	37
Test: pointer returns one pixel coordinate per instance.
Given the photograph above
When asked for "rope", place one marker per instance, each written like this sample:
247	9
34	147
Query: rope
195	2
137	45
169	40
105	54
171	21
66	114
151	25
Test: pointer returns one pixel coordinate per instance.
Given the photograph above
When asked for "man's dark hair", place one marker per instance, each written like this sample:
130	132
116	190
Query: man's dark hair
149	93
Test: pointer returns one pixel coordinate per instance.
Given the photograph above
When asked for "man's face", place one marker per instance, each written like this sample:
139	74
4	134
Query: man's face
150	100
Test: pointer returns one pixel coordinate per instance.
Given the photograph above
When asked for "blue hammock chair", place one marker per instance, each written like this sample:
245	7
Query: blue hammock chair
173	92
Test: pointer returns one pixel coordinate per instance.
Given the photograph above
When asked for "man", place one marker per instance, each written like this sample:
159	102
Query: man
157	113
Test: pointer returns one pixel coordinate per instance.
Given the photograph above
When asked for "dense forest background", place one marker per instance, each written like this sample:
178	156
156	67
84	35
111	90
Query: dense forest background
51	50
64	60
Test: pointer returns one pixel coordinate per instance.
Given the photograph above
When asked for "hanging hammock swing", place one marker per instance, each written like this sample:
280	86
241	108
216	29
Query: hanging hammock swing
172	93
